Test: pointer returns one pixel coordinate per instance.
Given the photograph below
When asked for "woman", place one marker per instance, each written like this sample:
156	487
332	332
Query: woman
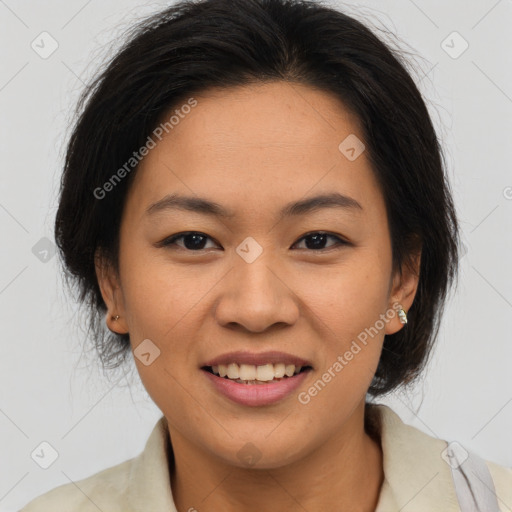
254	199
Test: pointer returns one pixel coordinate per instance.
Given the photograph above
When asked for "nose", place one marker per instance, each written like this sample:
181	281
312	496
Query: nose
254	296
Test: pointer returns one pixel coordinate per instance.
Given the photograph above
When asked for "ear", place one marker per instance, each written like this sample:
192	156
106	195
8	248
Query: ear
403	289
109	283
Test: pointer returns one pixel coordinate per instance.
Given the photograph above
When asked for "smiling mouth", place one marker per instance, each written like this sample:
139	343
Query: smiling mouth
252	374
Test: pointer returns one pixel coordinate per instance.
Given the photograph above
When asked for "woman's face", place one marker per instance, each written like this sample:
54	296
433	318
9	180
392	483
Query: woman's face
313	281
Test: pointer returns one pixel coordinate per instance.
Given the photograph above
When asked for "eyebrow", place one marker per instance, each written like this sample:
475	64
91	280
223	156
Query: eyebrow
207	207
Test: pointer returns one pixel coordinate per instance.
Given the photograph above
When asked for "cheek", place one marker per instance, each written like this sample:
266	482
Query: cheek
163	305
159	294
166	304
349	325
347	307
347	298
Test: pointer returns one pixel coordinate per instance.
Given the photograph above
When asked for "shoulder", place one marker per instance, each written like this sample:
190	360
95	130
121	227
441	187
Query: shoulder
502	478
131	485
417	466
102	490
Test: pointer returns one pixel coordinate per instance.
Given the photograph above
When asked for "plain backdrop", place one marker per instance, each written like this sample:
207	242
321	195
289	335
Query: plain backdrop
51	392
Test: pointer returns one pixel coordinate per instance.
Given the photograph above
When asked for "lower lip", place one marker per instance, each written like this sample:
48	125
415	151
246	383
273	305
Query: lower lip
256	394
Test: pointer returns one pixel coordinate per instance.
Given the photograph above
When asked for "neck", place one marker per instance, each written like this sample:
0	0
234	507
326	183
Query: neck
344	473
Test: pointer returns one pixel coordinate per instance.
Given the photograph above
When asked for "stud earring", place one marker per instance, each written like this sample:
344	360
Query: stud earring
402	315
115	318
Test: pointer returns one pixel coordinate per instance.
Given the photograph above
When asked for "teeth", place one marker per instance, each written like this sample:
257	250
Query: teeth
233	371
247	372
265	372
279	370
252	373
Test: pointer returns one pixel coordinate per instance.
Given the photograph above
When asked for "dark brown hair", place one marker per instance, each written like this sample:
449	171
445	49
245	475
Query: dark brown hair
193	46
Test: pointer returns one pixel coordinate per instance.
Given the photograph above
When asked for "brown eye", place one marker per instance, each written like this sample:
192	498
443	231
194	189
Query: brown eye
317	240
192	241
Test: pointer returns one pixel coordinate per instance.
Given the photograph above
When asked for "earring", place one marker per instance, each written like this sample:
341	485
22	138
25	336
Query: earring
402	315
115	318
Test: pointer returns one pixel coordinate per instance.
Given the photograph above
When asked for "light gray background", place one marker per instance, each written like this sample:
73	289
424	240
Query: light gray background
50	392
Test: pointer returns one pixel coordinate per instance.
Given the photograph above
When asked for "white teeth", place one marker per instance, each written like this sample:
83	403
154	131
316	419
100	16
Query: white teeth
265	372
251	373
233	371
279	370
247	372
289	370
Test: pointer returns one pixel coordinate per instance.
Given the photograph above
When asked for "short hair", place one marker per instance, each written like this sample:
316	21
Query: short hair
194	46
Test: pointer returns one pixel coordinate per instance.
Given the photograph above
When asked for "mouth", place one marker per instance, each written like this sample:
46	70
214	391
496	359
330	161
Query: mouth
256	374
256	379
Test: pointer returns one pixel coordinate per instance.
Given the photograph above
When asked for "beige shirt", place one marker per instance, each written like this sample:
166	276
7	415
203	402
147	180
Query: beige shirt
416	477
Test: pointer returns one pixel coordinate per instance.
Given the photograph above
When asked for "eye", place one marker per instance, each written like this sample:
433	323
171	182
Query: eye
316	240
192	240
197	241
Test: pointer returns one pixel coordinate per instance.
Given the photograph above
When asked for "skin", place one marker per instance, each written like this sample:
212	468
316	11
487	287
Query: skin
253	149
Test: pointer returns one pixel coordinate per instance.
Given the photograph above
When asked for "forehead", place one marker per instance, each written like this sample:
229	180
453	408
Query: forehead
255	143
272	114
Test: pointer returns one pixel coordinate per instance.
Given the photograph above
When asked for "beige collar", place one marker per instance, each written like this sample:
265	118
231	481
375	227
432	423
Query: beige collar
416	478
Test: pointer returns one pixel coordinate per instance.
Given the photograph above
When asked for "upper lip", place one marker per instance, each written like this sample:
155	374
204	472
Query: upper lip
257	359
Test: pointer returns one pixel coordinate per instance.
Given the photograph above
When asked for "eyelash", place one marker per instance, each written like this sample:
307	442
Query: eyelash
172	239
